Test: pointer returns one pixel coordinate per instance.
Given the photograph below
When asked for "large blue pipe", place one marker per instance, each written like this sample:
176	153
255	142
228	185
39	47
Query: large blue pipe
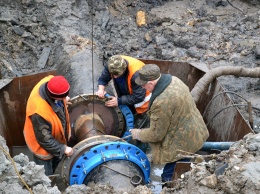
216	145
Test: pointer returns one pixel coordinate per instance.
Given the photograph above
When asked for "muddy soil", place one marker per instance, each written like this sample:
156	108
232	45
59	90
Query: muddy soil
76	37
232	171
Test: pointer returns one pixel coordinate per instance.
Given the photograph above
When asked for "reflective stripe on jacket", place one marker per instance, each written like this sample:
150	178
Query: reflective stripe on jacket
133	66
36	104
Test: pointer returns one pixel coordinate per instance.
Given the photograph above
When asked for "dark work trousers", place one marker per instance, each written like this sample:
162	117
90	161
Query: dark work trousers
168	169
142	121
49	165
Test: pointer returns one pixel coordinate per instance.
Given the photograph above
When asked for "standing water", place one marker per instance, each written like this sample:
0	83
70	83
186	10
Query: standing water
155	185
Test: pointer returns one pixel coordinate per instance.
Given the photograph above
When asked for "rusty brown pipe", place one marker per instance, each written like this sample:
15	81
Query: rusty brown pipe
88	125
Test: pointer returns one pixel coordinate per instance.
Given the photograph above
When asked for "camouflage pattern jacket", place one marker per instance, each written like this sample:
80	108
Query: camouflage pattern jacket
175	122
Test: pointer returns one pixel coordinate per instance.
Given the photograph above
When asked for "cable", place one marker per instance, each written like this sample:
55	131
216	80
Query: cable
92	55
234	105
143	121
235	7
17	172
217	96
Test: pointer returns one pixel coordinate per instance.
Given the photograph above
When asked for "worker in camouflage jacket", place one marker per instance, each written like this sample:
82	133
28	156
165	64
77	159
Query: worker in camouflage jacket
175	122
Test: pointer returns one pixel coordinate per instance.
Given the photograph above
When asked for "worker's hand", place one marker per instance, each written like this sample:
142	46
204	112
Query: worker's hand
112	102
101	93
68	101
135	133
68	151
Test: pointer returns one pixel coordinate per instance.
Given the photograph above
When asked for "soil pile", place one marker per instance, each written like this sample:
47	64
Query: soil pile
19	175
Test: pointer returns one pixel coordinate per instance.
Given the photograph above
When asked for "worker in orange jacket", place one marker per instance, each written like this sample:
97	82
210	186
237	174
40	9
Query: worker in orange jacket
47	125
123	70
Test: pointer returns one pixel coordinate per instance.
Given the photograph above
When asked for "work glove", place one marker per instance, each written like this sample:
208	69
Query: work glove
135	133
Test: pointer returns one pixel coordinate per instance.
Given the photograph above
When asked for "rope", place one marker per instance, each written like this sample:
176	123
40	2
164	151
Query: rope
16	170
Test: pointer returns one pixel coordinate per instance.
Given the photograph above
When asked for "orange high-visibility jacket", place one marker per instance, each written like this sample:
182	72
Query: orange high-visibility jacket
36	104
133	66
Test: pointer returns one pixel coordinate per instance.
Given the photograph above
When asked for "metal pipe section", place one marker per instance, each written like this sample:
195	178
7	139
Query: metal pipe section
88	125
127	172
112	118
207	146
101	158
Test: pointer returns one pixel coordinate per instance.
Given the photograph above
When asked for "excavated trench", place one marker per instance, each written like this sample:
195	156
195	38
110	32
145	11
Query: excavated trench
233	130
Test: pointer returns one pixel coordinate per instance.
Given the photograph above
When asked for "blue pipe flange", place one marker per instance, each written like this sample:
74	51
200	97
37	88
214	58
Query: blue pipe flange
80	148
106	152
129	119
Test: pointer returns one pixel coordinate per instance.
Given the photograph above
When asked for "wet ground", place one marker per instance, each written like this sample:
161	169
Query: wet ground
156	183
